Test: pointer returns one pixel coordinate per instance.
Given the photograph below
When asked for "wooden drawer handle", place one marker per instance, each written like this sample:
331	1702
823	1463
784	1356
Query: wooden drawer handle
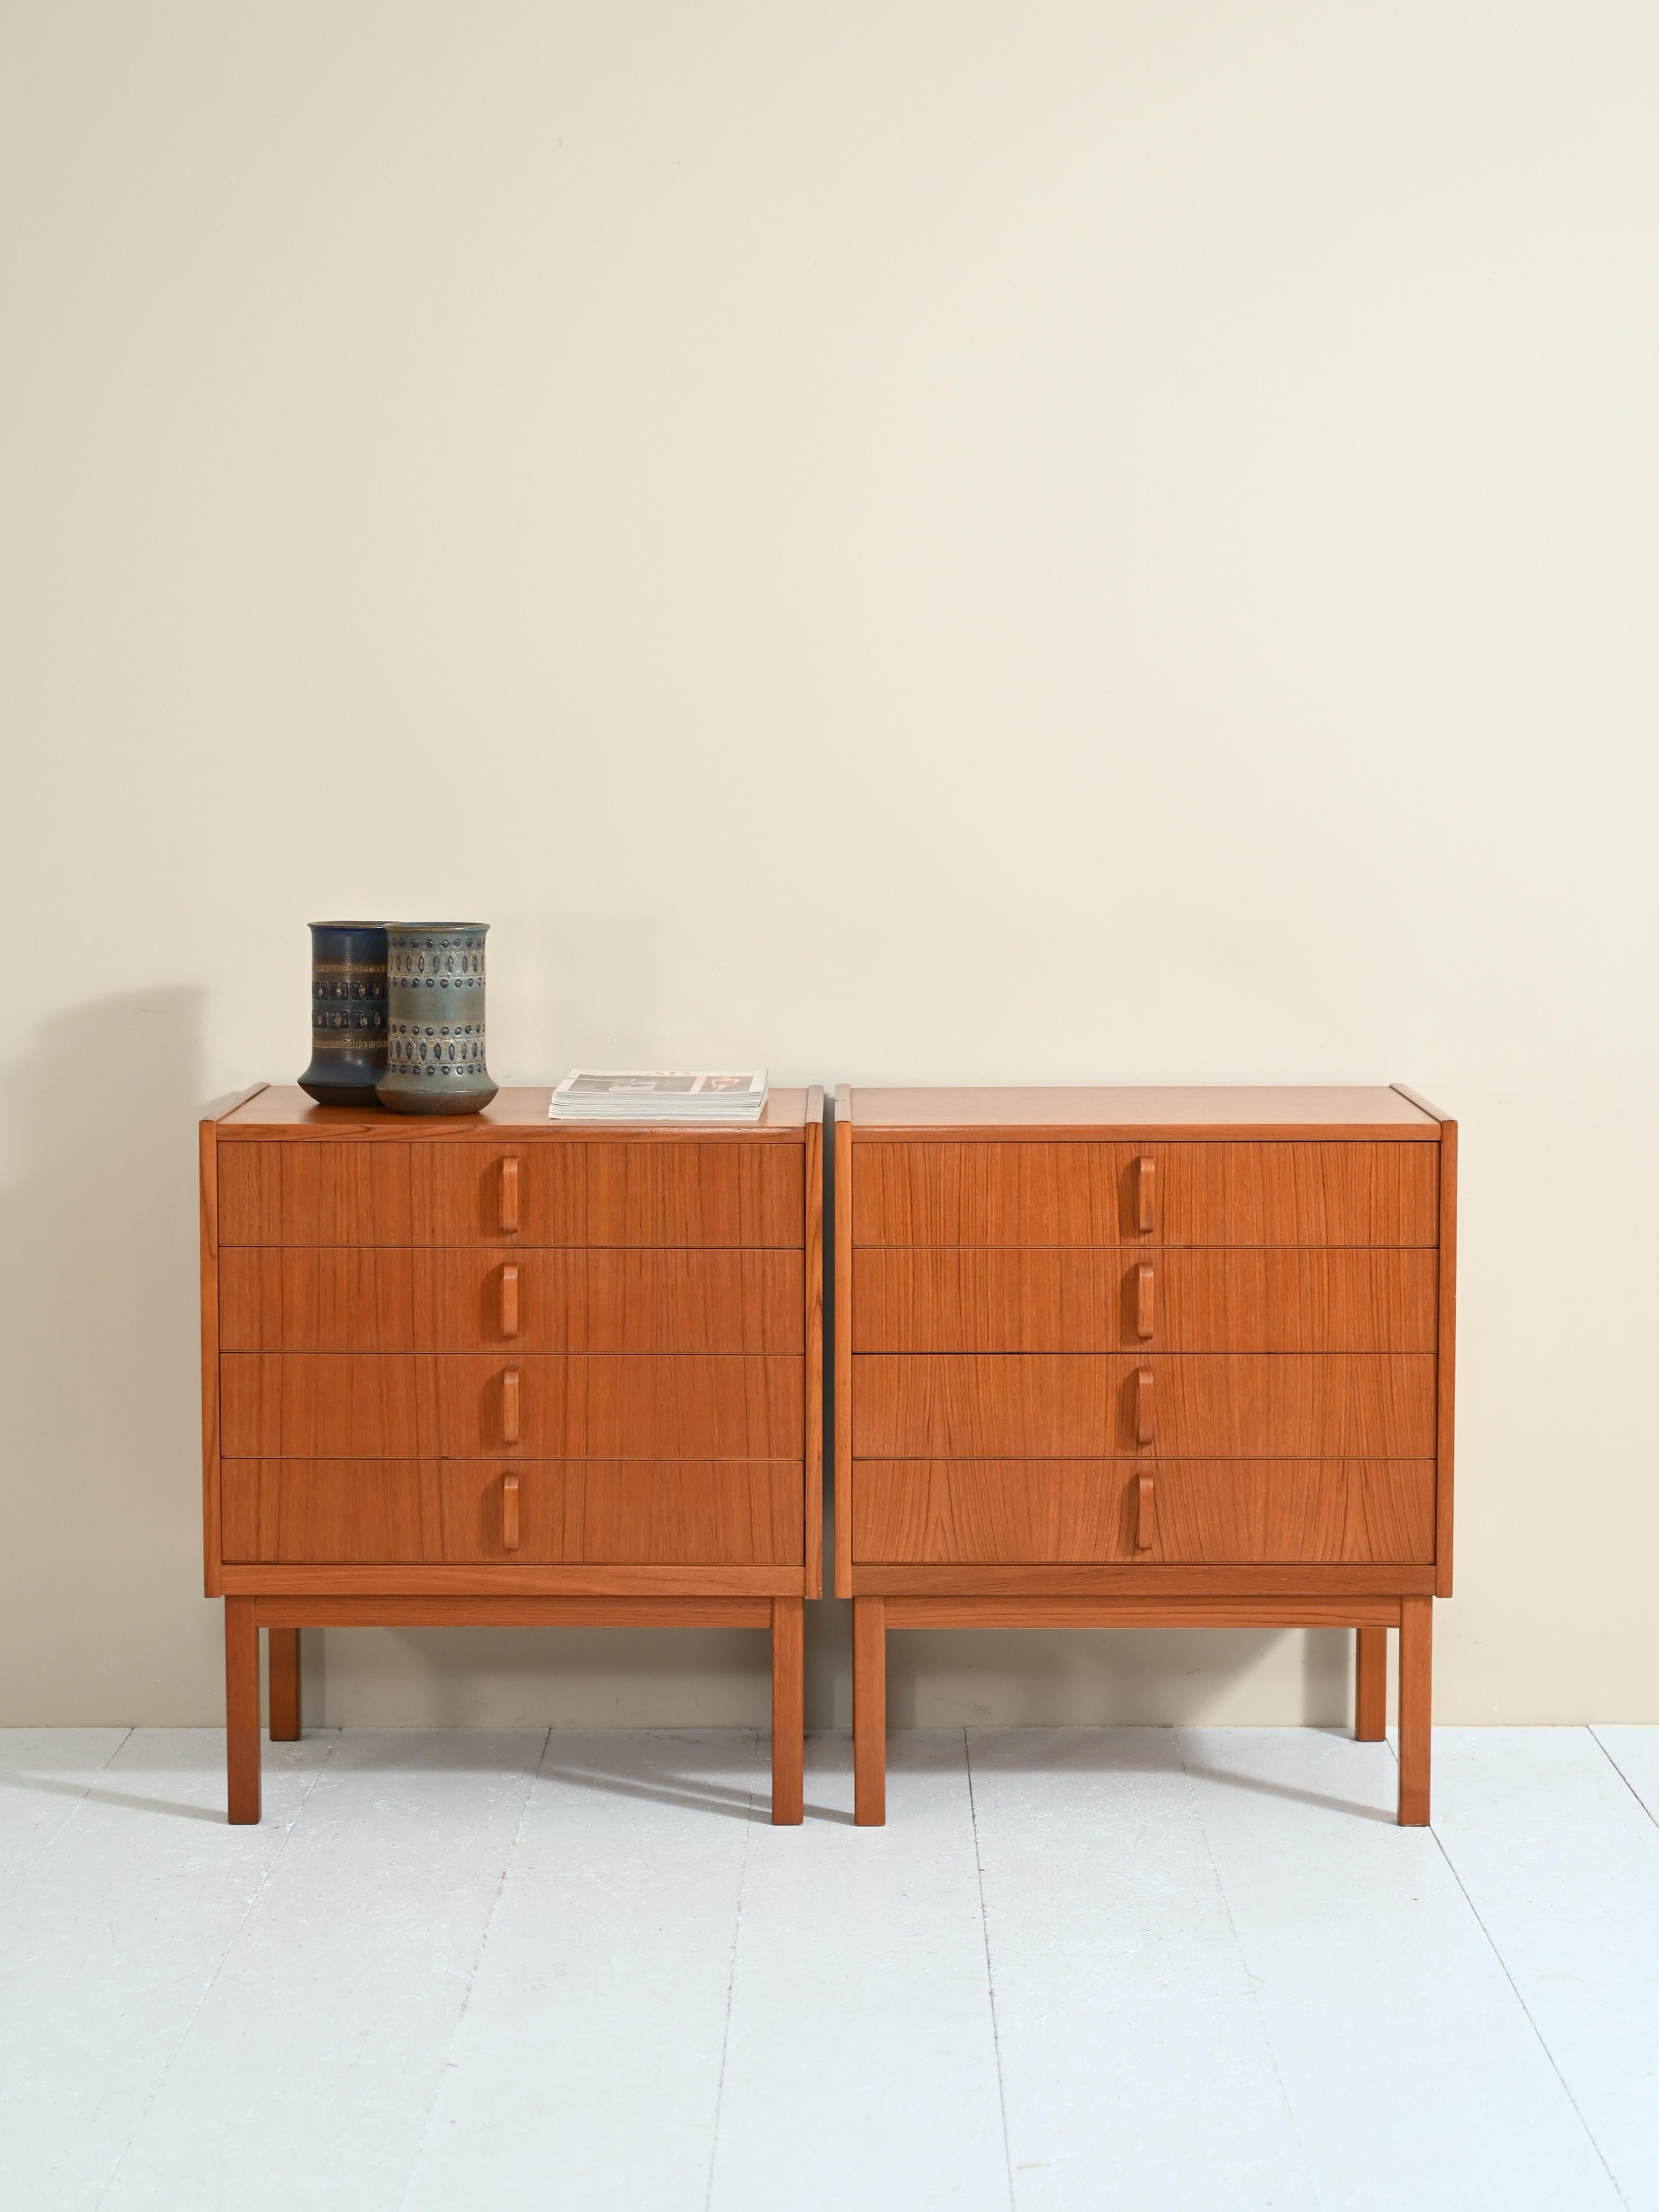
1145	1515
1144	1290
509	1300
1143	1406
510	1406
510	1195
1146	1178
510	1512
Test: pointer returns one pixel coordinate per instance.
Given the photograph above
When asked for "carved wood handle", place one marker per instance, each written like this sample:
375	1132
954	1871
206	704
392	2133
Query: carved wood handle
1145	1515
510	1194
1145	1179
1143	1406
509	1300
510	1406
1144	1291
510	1512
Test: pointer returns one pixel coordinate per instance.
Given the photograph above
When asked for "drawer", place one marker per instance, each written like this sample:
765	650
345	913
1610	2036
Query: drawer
596	1512
403	1406
538	1192
1286	1298
672	1513
1199	1405
1009	1512
707	1193
316	1299
1011	1194
314	1193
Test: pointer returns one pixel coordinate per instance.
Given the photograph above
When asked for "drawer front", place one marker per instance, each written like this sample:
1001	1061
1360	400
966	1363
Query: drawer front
1197	1404
1011	1194
540	1192
310	1299
630	1512
1150	1297
676	1513
594	1193
314	1193
1009	1512
395	1406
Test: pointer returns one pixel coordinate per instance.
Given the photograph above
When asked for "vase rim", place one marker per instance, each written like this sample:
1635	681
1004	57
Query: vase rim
441	928
347	925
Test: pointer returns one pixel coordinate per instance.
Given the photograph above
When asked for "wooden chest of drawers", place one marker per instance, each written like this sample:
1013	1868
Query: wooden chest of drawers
497	1370
1128	1358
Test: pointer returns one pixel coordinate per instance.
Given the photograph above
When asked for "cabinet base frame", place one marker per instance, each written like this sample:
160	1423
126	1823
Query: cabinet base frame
283	1616
1371	1616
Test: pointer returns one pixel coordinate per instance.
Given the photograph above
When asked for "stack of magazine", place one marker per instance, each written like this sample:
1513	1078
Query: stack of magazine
686	1095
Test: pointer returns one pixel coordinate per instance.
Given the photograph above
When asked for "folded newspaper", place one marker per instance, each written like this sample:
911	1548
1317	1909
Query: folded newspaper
697	1094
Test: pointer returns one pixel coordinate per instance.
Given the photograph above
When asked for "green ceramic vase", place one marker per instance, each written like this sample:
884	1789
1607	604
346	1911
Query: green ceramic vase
435	1063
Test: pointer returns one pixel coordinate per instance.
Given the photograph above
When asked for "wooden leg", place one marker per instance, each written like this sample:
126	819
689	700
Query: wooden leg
869	1712
788	1698
242	1710
1370	1685
1416	1702
284	1684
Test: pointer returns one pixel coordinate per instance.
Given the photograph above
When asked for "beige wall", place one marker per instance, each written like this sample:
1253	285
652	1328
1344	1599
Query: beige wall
954	541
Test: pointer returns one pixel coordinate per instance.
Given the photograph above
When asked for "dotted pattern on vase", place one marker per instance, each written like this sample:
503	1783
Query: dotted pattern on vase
437	1025
347	1005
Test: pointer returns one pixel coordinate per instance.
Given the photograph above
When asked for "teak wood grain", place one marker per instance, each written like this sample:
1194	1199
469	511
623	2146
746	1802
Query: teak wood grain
410	1405
619	1193
298	1298
1201	1510
591	1512
281	1113
1184	1300
1189	1111
843	1345
1045	1193
812	1326
1076	1404
1118	1356
498	1370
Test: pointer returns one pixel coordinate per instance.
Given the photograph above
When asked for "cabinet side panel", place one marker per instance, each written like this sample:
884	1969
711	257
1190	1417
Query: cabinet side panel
1447	1376
812	1481
208	1180
843	1391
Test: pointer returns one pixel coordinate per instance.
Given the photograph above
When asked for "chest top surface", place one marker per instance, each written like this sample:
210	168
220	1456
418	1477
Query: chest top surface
283	1110
1172	1112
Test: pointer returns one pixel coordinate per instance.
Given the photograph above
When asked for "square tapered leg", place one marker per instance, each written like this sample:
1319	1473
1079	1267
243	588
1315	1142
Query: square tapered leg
283	1672
788	1693
869	1712
1370	1685
242	1710
1416	1704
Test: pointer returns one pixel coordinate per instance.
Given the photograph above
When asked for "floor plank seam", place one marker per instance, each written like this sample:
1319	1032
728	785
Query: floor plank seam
212	1982
1249	1973
732	1977
533	1779
1543	2044
24	1879
990	1978
1623	1777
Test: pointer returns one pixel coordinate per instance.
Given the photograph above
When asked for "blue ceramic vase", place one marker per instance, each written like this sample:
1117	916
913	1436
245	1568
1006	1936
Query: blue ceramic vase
436	1029
348	1012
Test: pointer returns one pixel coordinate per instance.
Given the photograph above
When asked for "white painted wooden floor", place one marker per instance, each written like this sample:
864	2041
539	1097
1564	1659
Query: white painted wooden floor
1079	1968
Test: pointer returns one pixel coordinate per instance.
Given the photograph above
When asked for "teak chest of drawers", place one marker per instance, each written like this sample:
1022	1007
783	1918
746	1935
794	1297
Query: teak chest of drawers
496	1370
1139	1357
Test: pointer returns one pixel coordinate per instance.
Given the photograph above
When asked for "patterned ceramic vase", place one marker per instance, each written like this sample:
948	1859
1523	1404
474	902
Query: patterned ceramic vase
435	1044
348	1012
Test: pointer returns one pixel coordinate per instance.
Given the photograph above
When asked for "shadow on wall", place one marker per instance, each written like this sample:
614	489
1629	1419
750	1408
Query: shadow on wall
103	1618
